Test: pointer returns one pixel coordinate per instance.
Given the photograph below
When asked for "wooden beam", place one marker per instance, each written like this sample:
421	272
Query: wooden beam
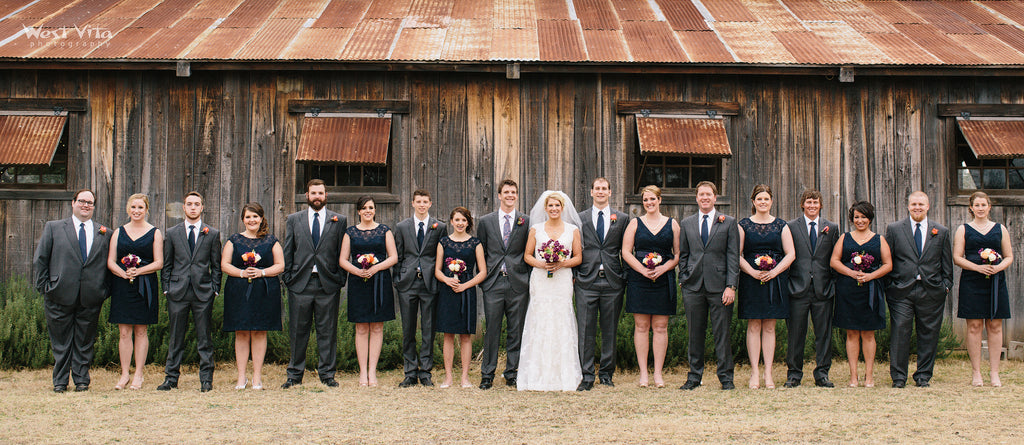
667	107
348	106
982	110
43	104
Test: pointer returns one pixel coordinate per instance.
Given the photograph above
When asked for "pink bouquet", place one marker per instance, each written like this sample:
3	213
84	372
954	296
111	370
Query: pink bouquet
764	262
455	265
651	260
250	259
366	261
552	251
989	256
131	260
861	262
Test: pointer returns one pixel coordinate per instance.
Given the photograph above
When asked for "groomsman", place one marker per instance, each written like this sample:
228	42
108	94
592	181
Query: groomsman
312	247
416	239
600	282
709	268
921	277
71	273
191	281
507	286
812	291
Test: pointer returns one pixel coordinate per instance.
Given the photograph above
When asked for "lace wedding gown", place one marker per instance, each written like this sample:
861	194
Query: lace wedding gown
549	359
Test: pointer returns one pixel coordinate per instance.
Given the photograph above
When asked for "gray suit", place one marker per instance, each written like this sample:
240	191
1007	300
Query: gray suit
812	293
506	295
74	292
917	302
599	291
313	297
704	273
417	291
191	280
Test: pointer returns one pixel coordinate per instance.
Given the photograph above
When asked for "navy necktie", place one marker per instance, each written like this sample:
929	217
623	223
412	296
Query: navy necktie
814	236
918	238
704	231
316	229
419	236
600	227
192	238
81	242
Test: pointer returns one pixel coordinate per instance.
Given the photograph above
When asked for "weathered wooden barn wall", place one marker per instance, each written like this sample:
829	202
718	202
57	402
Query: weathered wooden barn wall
229	135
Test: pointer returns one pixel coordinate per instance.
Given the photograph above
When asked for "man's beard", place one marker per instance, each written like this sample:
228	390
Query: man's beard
316	205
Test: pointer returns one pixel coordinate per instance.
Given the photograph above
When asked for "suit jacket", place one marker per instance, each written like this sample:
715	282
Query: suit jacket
934	265
61	275
184	268
495	252
715	266
810	275
300	255
411	255
596	254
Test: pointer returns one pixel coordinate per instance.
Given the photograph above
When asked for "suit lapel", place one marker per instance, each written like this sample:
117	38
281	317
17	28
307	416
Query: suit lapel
426	234
588	224
714	226
199	240
304	223
69	230
94	250
804	236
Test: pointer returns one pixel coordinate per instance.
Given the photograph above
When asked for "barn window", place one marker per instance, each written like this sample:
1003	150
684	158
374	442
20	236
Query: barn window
34	151
349	152
990	154
676	153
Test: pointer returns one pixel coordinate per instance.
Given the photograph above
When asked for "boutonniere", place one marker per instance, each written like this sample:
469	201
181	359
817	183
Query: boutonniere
613	218
334	218
721	218
206	230
520	221
103	230
825	230
433	226
935	231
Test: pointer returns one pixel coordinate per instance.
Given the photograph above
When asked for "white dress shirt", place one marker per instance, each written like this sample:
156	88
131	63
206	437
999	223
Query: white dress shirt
88	233
807	226
501	228
323	222
607	224
416	228
924	235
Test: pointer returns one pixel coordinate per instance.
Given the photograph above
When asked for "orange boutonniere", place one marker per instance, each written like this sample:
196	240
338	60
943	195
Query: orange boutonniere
825	230
721	218
613	218
935	232
205	230
103	230
334	219
433	226
520	221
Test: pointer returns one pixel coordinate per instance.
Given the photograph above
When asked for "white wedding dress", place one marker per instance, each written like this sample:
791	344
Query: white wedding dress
549	358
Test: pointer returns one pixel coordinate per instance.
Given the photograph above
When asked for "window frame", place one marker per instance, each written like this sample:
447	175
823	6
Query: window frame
75	109
948	114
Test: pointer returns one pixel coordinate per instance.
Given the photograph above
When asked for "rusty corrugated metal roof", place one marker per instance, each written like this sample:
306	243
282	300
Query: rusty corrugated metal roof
514	14
76	14
682	136
393	9
221	43
169	43
753	43
994	139
164	14
552	10
605	45
775	16
729	11
514	44
305	9
850	45
123	43
563	40
894	12
857	16
973	12
419	44
940	45
704	46
807	47
318	44
653	42
900	47
372	39
1012	10
683	15
29	140
78	46
596	14
633	10
944	19
348	140
251	14
213	9
1011	35
467	40
342	14
271	40
989	48
472	10
429	14
810	10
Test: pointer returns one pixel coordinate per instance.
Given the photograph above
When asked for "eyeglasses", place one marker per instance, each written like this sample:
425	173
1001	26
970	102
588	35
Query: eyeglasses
85	203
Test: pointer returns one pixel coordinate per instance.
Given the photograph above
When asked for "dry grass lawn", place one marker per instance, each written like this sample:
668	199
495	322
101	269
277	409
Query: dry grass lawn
948	412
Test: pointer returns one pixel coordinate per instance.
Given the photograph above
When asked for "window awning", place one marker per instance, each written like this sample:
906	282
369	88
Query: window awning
29	140
345	140
682	136
994	138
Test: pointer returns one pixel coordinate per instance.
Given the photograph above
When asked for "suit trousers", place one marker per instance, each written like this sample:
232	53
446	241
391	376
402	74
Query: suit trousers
502	302
698	306
177	324
306	308
72	335
604	299
820	313
418	364
923	311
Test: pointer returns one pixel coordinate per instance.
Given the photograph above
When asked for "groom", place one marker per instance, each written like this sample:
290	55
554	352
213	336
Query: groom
600	281
506	288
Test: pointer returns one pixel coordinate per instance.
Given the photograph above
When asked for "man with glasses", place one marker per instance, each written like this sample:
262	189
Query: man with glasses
71	273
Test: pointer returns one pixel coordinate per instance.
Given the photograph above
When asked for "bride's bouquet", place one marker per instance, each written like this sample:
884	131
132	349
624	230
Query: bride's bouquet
552	251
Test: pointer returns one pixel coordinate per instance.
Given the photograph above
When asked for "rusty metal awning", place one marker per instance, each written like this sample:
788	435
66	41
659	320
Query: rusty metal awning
29	140
994	138
345	140
682	136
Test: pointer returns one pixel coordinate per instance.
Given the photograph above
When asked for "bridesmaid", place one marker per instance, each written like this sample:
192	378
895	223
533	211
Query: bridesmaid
984	300
133	293
371	300
860	302
763	293
252	292
651	291
456	306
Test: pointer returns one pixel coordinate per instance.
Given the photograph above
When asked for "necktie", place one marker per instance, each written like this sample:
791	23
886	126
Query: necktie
316	229
506	230
814	236
419	236
81	241
192	238
600	227
704	231
918	239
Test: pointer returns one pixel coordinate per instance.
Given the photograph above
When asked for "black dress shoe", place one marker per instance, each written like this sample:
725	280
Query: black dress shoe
791	383
425	381
899	384
204	387
607	381
922	383
585	386
690	385
726	386
329	382
510	382
83	387
409	381
60	388
824	383
167	385
290	383
486	383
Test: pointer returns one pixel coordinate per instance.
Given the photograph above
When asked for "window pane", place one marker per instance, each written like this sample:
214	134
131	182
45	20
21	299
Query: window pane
375	176
1016	179
675	177
703	174
970	179
1017	162
349	175
7	177
994	179
993	163
677	160
326	172
651	175
706	162
966	157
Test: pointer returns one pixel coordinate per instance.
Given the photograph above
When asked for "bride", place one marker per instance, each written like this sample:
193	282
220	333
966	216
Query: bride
549	359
